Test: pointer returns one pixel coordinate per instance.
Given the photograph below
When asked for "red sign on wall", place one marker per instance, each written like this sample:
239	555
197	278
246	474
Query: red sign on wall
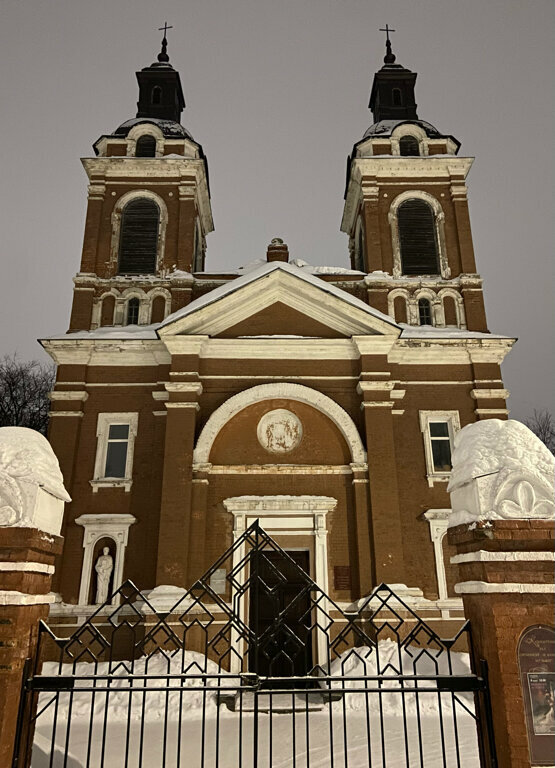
536	663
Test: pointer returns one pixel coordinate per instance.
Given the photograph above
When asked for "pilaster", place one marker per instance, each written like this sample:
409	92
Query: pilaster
371	220
175	510
386	531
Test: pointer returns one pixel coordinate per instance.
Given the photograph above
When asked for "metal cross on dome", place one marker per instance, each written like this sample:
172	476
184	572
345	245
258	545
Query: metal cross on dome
165	28
387	30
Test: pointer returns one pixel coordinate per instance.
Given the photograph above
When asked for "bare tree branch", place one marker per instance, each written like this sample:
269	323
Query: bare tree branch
543	426
24	388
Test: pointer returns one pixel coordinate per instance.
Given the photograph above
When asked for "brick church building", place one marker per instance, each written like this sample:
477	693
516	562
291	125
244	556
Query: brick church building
322	401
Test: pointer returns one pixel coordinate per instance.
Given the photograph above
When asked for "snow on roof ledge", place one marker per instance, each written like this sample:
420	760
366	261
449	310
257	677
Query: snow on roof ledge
263	270
448	332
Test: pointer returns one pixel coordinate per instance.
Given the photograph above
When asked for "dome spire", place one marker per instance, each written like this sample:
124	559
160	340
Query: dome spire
389	57
163	57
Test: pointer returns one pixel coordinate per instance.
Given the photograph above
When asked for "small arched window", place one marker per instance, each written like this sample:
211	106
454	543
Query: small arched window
146	146
156	95
417	238
107	311
138	243
132	317
158	310
424	312
409	146
450	311
396	97
400	309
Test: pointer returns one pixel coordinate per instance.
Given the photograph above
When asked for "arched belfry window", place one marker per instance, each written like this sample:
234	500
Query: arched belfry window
417	238
138	242
396	97
132	312
408	146
156	95
424	312
146	146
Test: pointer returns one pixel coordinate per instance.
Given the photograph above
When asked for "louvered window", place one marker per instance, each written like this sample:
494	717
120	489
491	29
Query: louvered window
146	146
417	238
424	312
139	237
132	312
409	147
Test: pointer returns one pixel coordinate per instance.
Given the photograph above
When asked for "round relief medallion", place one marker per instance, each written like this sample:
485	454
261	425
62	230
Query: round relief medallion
279	431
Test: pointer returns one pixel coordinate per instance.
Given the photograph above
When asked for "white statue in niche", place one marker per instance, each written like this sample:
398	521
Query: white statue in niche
104	567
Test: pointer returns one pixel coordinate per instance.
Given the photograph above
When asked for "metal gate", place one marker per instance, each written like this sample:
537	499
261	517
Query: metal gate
246	670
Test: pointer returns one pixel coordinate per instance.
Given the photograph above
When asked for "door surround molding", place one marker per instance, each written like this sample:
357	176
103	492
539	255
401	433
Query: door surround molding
284	516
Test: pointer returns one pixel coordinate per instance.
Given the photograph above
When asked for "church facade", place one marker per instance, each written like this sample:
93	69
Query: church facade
321	401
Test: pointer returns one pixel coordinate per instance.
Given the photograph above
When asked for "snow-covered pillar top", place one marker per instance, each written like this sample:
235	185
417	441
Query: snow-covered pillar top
501	471
32	493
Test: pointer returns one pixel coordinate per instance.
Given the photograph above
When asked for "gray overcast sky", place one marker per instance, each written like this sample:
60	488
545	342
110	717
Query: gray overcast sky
277	93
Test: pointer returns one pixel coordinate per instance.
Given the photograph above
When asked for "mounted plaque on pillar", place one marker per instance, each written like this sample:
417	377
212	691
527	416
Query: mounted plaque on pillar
536	663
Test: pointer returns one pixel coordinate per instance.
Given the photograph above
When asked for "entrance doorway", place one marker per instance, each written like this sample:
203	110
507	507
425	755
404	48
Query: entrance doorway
280	614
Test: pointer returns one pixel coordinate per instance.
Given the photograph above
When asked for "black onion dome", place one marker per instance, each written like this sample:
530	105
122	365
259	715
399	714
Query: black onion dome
169	128
386	127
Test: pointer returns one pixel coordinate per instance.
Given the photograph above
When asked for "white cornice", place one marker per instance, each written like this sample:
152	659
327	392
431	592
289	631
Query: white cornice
279	349
123	352
450	351
387	169
169	170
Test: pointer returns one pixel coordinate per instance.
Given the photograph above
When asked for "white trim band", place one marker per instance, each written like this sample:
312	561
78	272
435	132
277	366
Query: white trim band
484	587
28	567
13	597
482	556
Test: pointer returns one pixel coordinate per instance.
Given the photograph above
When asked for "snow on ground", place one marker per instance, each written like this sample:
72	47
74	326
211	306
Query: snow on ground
359	729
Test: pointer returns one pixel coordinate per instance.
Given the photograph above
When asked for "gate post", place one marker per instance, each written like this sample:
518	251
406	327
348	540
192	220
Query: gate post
32	499
501	526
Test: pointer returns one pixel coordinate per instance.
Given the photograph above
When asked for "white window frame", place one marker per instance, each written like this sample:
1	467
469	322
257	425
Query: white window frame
453	424
105	420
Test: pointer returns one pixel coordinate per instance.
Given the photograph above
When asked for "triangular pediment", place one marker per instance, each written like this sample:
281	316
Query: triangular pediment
278	299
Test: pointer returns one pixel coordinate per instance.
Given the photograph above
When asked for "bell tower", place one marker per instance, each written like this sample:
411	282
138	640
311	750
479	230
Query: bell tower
406	212
148	211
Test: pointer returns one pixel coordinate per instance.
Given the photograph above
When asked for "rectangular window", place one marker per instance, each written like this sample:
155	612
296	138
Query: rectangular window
116	450
441	445
116	434
438	430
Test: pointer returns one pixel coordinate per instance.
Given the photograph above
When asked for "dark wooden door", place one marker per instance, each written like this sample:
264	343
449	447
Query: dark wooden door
280	614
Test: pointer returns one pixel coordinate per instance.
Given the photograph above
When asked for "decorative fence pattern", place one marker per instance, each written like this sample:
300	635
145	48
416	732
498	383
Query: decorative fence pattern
254	666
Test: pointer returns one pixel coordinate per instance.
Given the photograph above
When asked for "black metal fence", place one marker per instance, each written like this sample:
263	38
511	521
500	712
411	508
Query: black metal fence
254	666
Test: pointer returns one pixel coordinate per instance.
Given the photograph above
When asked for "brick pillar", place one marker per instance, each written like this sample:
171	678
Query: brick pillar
506	572
197	563
362	517
26	568
373	258
175	510
501	526
388	561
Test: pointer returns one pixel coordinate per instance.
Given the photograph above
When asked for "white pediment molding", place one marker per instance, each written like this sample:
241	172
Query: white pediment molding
319	301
